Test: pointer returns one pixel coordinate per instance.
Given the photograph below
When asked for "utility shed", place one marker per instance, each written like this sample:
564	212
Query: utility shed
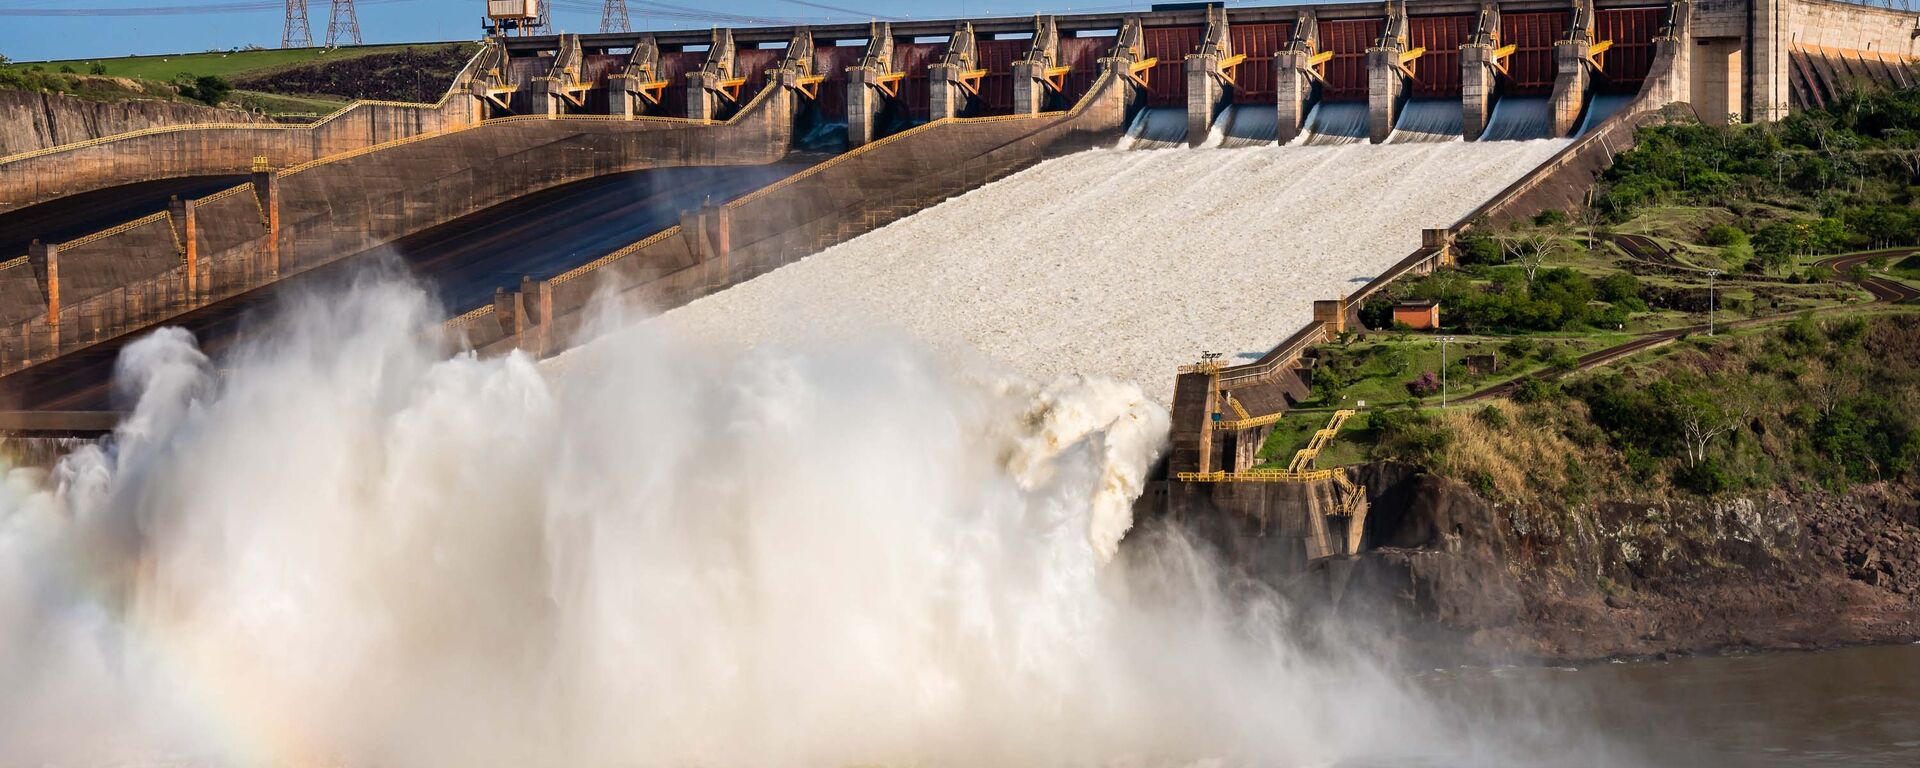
1418	315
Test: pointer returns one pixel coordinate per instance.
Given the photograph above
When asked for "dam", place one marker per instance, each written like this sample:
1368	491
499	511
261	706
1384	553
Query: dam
885	393
909	113
1098	194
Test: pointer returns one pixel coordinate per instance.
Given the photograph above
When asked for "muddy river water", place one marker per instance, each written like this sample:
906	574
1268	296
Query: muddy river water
1848	707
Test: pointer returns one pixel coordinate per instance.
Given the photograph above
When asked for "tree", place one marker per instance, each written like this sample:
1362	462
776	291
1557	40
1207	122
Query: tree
1702	417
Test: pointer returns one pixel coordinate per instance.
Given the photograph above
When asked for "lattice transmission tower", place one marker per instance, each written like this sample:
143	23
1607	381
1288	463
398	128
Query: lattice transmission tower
544	25
298	34
343	23
613	17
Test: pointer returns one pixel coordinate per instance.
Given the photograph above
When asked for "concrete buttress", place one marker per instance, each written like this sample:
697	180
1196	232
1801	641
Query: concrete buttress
1206	83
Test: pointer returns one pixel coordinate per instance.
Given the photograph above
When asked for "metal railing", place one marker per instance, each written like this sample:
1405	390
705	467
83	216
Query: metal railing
106	233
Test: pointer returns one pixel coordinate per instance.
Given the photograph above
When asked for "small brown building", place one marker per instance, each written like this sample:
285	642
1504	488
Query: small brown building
1419	315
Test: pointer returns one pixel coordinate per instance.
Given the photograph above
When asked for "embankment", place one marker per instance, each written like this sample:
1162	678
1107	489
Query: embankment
34	121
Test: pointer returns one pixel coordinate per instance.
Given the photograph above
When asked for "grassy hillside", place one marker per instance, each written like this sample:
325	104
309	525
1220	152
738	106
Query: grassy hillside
297	82
227	64
1809	380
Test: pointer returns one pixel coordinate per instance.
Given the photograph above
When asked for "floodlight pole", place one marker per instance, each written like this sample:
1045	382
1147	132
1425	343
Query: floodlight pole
1444	341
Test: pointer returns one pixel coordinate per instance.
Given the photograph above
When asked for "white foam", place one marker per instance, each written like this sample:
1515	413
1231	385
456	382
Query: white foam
1127	264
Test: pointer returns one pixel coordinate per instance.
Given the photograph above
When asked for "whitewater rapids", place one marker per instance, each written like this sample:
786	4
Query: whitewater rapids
1126	264
348	550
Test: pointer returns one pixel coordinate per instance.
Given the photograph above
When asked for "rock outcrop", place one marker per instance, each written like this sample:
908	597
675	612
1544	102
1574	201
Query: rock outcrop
1785	569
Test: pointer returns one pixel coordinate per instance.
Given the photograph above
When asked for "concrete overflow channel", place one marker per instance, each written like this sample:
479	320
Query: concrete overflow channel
913	113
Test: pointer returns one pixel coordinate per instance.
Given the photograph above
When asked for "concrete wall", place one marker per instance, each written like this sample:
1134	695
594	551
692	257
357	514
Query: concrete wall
34	121
836	201
220	149
307	216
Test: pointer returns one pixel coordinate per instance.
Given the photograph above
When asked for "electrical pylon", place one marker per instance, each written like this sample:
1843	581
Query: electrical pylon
343	23
544	24
298	34
613	17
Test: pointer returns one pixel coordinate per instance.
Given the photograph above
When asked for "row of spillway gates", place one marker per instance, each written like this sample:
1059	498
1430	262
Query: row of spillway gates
1386	63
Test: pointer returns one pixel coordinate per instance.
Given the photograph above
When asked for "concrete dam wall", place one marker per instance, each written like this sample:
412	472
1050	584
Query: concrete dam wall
35	121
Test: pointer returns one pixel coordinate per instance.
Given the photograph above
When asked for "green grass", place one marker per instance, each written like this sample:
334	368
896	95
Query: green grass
225	64
1294	431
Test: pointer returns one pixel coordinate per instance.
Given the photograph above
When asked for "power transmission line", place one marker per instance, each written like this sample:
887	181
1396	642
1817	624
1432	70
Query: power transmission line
298	34
173	10
343	22
613	18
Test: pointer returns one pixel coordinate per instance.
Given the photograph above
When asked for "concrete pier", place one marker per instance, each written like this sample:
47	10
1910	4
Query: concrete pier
1030	73
1479	74
705	98
1294	77
1387	76
946	87
868	89
1206	82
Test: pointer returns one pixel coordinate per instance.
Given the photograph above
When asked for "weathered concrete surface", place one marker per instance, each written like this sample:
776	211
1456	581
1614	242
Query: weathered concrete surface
36	121
217	149
836	201
285	223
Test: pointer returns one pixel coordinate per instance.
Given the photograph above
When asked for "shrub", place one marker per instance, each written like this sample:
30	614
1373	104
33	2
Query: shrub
1532	390
1493	417
1549	218
97	68
1425	385
1617	287
1706	478
1722	235
1411	435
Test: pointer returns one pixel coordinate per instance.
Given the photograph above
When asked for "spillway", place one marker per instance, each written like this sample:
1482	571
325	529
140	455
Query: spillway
1518	118
1126	264
1246	125
1157	128
1333	123
1427	120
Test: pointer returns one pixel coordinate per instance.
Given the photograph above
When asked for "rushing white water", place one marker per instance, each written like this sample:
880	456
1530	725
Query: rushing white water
349	551
1157	128
1428	120
1332	123
1126	264
1602	106
1245	125
1519	118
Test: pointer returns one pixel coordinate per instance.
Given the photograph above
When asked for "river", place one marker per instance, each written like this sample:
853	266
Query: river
1848	707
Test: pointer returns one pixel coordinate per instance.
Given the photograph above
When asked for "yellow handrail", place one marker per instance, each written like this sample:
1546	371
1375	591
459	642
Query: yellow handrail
106	233
610	258
1258	476
469	318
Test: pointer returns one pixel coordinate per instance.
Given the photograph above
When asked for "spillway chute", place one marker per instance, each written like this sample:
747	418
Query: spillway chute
1426	121
1339	122
1520	118
1601	107
1157	128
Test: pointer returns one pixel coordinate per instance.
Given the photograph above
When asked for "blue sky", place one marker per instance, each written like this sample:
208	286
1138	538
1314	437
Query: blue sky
28	38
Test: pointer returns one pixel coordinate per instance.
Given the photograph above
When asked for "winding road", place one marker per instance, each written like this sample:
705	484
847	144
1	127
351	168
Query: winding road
1885	291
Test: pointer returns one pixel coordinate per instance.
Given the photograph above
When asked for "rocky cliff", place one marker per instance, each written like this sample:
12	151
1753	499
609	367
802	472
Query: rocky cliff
1783	569
31	121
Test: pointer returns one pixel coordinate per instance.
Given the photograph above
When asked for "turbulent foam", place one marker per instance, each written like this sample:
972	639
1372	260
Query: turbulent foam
349	551
1127	264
